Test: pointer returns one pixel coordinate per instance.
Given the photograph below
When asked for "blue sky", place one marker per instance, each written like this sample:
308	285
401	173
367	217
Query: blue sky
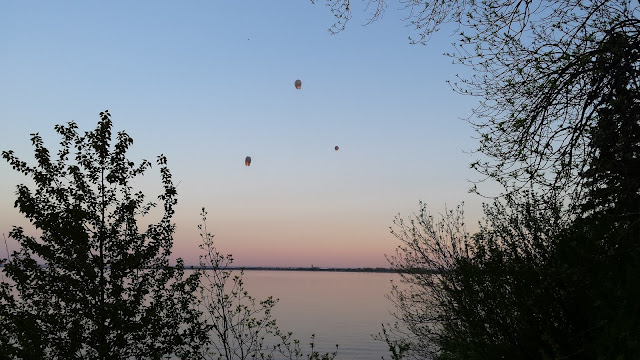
209	82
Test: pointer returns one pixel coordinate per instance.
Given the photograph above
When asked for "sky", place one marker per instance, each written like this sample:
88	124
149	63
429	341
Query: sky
207	83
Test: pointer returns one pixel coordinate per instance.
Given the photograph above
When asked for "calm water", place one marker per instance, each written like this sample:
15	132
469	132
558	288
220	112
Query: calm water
342	308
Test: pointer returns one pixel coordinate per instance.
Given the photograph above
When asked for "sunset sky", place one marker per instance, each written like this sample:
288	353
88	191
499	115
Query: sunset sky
209	82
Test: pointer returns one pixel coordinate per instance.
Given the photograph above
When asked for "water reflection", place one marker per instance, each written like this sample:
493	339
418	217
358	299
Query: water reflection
342	308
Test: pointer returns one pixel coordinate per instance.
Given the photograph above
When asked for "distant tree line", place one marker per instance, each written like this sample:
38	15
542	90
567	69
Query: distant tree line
321	269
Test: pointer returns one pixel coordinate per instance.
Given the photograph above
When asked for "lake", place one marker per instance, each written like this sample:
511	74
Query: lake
342	308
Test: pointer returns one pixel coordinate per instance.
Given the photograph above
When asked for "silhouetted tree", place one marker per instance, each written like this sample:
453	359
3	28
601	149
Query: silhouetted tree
559	89
612	177
539	279
490	295
92	285
531	283
535	73
602	249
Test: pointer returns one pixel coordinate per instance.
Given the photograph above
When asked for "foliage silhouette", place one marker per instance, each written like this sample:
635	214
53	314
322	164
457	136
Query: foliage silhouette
544	277
553	272
602	249
92	285
535	72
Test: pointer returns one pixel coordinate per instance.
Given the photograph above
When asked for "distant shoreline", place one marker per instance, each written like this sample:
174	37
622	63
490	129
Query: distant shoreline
324	269
278	268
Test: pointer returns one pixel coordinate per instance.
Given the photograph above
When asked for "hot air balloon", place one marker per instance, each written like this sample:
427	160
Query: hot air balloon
247	160
337	147
298	84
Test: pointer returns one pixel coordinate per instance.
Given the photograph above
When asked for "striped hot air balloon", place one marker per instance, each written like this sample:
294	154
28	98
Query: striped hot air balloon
247	160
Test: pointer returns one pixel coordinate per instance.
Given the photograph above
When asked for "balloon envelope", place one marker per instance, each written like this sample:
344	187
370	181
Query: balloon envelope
337	147
298	84
247	160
